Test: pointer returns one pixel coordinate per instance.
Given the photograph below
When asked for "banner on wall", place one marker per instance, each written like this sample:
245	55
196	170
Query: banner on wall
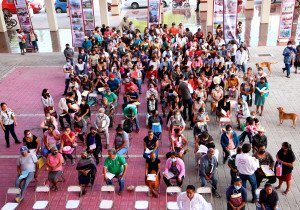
88	17
297	37
218	14
230	19
286	19
153	12
76	20
24	20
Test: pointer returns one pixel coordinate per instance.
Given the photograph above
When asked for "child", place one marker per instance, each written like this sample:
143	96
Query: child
250	131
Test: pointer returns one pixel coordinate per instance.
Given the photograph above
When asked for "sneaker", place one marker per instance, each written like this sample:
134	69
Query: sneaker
18	142
216	194
7	146
18	199
253	201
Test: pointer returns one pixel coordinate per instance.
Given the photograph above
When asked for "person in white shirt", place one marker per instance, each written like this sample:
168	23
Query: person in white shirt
102	123
241	59
190	200
247	165
63	113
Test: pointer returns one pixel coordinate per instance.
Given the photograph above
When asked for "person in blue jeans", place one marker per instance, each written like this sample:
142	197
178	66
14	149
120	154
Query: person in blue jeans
115	166
121	142
268	198
150	144
288	55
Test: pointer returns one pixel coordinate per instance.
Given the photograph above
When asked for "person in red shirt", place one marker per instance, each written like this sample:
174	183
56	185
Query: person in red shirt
68	142
173	30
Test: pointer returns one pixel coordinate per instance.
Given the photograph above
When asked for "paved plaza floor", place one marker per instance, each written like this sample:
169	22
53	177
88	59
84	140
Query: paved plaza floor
24	77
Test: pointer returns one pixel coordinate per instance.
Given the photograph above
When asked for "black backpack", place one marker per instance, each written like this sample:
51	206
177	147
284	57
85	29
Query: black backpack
128	126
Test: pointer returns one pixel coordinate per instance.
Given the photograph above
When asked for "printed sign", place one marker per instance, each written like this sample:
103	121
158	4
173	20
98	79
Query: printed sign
88	17
286	19
218	14
153	12
230	19
76	19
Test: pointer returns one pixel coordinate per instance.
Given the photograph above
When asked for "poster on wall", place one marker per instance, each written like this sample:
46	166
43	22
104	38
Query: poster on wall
297	37
24	20
218	14
230	19
88	17
286	20
77	27
153	12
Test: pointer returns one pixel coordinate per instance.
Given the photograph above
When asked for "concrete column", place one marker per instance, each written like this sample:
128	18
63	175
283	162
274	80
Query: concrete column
115	7
249	4
210	13
103	12
4	44
2	22
265	11
51	15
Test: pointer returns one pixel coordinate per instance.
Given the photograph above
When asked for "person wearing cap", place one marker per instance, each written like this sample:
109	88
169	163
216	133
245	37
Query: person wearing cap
259	139
87	44
27	168
190	200
87	170
54	164
174	169
69	54
114	83
246	166
236	195
102	123
116	165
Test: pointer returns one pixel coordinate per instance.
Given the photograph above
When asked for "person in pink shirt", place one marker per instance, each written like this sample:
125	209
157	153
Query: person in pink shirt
54	166
197	63
174	169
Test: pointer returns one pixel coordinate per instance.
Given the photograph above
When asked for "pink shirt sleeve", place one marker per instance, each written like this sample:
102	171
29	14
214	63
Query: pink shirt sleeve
168	165
182	168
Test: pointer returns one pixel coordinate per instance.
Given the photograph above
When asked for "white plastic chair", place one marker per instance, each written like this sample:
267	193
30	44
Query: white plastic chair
107	204
11	205
73	204
141	204
172	205
205	190
41	204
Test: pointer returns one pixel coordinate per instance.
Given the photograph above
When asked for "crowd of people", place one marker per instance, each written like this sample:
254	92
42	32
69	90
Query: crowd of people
193	79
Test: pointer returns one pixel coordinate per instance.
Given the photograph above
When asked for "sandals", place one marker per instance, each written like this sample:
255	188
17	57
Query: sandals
286	192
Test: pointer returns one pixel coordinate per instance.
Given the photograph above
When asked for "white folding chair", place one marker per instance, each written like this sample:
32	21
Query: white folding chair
73	204
141	204
172	205
205	190
107	204
41	204
11	205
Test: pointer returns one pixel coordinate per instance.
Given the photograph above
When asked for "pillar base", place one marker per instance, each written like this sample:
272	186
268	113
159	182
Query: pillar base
249	4
203	6
4	44
115	9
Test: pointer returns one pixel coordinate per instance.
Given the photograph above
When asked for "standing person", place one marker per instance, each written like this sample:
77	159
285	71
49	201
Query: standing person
247	165
288	56
69	54
229	141
22	41
102	124
68	70
34	39
115	165
190	200
236	195
241	59
63	113
268	198
297	58
8	122
286	157
261	93
27	169
184	91
207	171
198	5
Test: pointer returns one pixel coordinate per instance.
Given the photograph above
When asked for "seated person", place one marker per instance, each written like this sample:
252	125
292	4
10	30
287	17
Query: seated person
236	195
121	142
31	142
155	123
207	170
250	131
68	142
85	110
99	82
48	120
94	144
174	169
229	142
27	168
102	124
153	167
200	120
87	170
131	113
242	111
54	164
80	126
114	84
150	144
178	143
268	198
232	85
152	104
131	97
175	121
151	91
51	139
224	108
109	110
259	139
111	97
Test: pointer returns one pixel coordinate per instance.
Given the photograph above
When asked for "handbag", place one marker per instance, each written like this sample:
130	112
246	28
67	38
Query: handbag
236	199
278	169
128	126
